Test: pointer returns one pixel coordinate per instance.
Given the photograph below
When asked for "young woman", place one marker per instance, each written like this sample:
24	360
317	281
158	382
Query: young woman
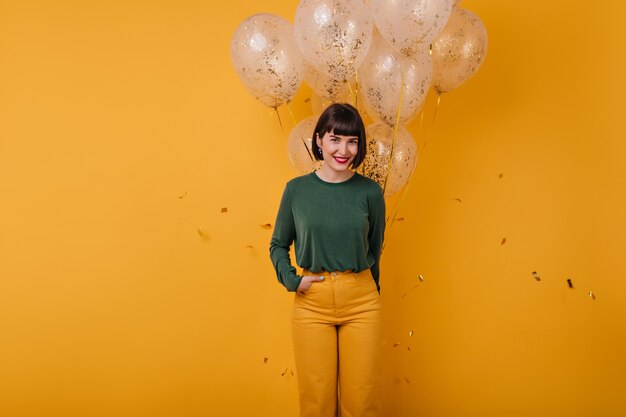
335	217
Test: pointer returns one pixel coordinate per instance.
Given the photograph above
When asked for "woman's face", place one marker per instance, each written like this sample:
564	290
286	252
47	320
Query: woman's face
338	151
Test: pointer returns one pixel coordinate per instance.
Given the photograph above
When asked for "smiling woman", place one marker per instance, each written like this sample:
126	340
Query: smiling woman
336	219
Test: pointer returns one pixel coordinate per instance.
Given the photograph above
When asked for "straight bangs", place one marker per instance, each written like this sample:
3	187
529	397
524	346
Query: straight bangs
343	123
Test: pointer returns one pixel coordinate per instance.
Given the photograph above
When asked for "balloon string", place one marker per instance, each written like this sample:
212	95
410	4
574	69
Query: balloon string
293	119
356	89
432	121
352	95
395	133
280	122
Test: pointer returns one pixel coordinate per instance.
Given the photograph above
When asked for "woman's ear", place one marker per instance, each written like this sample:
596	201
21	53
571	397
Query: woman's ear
318	140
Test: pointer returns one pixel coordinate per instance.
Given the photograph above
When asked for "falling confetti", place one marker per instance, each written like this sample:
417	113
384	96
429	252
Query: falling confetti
408	381
307	100
408	348
592	295
503	241
266	359
292	374
459	200
421	278
284	372
203	234
396	345
536	275
249	246
224	210
500	175
411	333
266	226
183	196
569	283
400	219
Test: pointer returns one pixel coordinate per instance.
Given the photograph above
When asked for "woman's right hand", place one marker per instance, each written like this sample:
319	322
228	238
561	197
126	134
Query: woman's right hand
306	282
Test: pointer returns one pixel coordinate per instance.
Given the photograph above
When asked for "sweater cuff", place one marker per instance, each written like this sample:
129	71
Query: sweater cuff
293	282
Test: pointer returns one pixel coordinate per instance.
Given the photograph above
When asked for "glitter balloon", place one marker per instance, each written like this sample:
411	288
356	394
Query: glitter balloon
377	159
410	25
299	146
391	83
334	35
267	59
459	50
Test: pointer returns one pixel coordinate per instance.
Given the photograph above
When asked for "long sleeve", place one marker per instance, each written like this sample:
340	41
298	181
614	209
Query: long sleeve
282	238
376	234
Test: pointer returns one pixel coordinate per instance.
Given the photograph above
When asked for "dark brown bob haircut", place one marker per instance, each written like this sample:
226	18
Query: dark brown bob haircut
341	119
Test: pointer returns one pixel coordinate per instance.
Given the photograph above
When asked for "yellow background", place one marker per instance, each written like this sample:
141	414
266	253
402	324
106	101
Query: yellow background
125	291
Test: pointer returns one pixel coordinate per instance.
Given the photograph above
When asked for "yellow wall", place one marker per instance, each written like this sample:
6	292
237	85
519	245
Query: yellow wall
124	130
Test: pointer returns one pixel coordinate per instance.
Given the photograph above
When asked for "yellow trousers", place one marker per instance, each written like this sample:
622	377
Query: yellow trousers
336	336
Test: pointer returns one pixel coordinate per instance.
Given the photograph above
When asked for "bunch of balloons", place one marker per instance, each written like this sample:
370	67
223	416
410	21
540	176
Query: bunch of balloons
388	53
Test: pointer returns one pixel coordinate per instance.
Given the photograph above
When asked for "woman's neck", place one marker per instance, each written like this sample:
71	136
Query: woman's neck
330	175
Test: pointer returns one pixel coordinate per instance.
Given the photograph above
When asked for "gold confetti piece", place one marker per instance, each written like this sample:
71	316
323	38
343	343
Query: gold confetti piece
500	175
421	278
569	283
411	333
249	246
265	359
592	295
267	226
182	196
459	200
408	381
224	210
536	275
292	374
307	100
284	372
503	241
400	219
408	348
202	233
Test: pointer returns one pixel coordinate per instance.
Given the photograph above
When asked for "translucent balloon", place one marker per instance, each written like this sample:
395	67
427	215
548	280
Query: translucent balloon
459	51
386	74
410	25
377	159
299	146
333	35
333	90
267	59
319	104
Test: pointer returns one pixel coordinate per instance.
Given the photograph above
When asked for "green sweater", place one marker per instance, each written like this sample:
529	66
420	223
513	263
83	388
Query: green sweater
334	226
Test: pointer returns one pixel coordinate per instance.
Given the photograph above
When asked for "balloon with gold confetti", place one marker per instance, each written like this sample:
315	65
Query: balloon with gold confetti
267	59
334	35
410	25
299	146
329	89
380	139
394	86
459	50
